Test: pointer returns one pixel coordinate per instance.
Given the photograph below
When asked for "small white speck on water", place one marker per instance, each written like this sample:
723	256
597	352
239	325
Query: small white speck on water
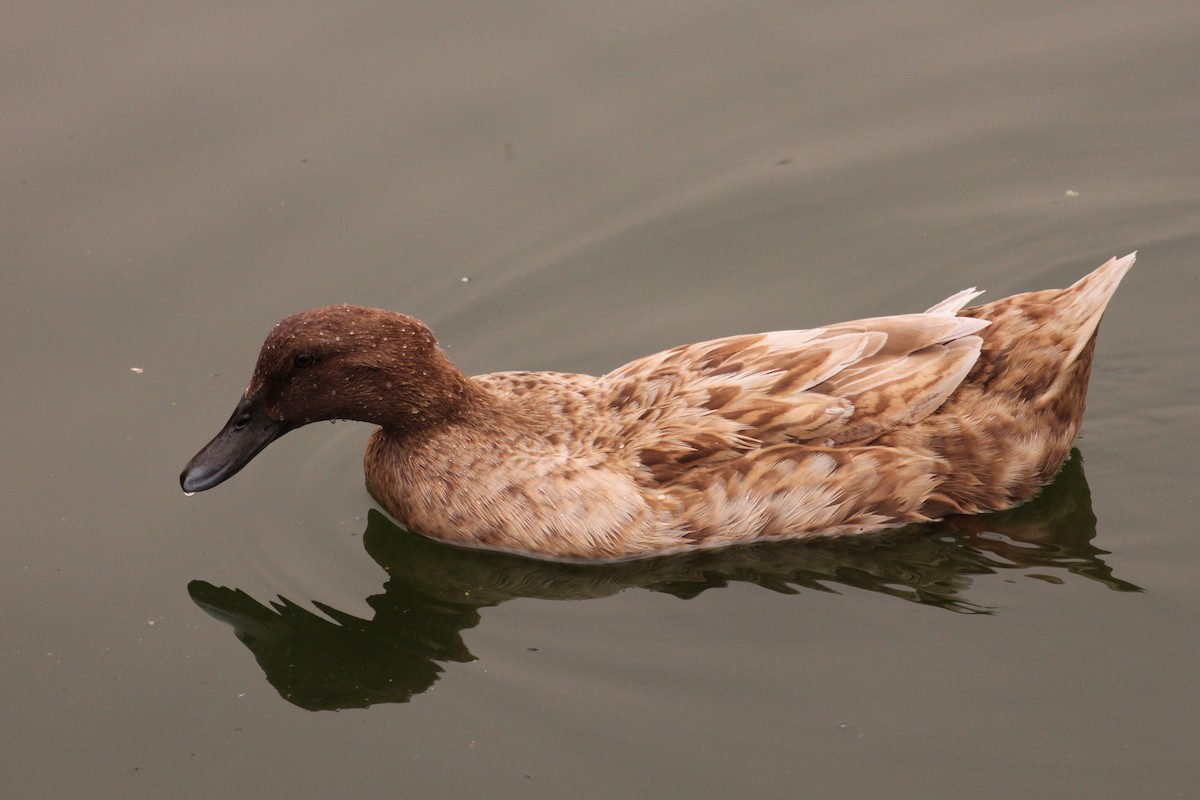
138	370
1070	193
466	279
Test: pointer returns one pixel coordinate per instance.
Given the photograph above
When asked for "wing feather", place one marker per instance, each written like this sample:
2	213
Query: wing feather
841	384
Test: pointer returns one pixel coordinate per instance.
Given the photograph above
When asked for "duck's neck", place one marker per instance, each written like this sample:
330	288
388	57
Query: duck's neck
414	401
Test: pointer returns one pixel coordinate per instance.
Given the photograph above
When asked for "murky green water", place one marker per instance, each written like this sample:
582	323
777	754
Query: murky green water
562	188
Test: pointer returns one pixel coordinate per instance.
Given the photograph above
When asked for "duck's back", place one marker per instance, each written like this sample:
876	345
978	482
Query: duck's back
974	415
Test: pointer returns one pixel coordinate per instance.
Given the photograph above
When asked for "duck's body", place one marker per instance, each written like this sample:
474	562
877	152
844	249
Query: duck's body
844	429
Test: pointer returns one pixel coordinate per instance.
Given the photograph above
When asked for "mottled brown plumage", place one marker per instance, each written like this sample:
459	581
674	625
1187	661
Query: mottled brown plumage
836	430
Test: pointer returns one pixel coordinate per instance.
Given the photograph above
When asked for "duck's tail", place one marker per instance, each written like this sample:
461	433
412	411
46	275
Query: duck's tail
1085	300
1040	343
1007	429
1069	319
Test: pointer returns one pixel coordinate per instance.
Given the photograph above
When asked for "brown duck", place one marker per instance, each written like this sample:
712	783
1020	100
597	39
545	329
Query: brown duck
843	429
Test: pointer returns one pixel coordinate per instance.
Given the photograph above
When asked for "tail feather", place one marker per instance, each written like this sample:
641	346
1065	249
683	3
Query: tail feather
955	302
1088	297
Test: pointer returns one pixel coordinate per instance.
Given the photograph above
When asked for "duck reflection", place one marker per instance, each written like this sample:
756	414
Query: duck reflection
434	591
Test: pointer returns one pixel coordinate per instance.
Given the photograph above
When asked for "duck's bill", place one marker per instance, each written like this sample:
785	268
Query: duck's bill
244	436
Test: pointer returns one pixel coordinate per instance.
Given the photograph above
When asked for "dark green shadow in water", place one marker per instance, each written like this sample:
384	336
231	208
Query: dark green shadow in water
434	591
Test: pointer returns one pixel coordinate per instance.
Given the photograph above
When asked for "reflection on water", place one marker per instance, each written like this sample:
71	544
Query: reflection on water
434	591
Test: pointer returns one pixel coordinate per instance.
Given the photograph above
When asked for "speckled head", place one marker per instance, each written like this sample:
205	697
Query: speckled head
334	362
344	362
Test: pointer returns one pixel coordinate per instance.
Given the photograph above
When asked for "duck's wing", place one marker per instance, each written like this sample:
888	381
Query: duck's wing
840	384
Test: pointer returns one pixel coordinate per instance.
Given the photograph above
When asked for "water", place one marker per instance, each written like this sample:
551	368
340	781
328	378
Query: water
608	181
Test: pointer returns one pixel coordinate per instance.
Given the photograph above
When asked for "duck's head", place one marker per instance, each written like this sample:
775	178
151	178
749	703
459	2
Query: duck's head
335	362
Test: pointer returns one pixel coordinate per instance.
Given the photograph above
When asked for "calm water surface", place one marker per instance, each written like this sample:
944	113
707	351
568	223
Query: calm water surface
569	189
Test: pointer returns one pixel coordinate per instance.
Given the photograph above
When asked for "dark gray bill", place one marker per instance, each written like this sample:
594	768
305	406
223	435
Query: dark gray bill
244	436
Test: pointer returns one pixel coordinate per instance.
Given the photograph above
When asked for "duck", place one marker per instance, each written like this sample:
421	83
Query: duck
844	429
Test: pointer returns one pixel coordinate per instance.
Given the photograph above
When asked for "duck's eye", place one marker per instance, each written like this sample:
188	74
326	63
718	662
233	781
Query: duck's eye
241	422
304	360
